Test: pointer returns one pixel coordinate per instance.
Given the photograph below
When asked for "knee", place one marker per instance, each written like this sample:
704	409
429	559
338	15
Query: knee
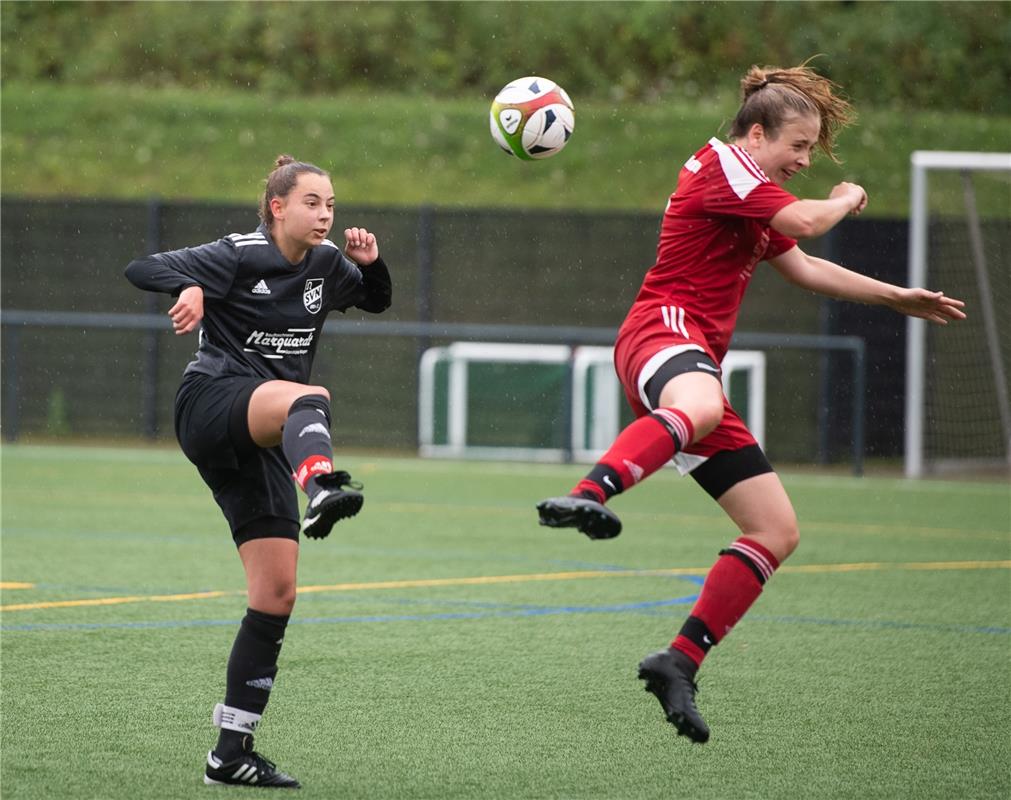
318	390
790	540
286	601
277	597
311	397
706	416
787	538
780	536
285	593
714	412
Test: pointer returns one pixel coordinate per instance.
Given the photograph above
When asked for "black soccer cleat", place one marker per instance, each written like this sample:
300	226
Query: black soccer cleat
592	518
331	502
250	769
668	675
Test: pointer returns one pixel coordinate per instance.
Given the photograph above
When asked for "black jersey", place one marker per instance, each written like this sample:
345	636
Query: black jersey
263	315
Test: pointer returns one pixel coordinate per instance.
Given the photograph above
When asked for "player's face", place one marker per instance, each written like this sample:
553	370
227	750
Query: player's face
789	151
305	216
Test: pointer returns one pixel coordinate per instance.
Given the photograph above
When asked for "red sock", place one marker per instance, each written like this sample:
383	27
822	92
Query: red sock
640	450
313	465
732	585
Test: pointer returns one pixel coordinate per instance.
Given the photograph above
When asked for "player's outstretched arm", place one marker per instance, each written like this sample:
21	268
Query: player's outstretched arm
832	280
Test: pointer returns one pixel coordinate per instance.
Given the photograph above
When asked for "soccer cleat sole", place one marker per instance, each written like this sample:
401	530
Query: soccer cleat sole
587	516
211	782
347	504
656	684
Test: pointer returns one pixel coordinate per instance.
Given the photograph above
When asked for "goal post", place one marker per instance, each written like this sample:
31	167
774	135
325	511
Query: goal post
957	413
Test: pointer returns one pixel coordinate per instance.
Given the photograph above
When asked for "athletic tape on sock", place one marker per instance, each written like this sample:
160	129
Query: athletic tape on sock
235	719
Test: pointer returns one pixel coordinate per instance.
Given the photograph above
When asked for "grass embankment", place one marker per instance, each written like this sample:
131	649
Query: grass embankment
119	142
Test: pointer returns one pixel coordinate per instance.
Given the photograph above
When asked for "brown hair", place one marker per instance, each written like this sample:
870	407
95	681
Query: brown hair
771	96
282	180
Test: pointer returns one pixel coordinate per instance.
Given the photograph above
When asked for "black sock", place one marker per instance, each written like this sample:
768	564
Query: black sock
252	667
305	440
231	745
607	479
696	631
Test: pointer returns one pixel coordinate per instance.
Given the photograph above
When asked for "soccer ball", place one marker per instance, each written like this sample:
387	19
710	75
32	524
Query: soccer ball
532	118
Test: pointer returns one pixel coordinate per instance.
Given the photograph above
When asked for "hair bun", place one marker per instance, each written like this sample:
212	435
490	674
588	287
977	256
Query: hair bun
284	159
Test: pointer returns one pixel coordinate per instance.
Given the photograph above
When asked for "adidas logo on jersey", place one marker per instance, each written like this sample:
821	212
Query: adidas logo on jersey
261	288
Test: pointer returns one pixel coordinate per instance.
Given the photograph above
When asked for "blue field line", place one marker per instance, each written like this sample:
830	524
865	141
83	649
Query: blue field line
485	611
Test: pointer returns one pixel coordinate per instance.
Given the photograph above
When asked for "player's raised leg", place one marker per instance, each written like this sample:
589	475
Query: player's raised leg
688	407
298	418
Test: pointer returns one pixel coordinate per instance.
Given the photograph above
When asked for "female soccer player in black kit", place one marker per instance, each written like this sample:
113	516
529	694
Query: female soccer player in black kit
248	418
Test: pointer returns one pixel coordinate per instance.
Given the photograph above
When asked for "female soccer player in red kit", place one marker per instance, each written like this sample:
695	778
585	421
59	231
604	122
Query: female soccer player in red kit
728	213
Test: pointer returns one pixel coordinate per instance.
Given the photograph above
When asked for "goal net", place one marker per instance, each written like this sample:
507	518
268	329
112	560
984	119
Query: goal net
958	415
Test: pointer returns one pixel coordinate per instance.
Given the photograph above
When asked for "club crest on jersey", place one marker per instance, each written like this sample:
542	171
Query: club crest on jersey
312	295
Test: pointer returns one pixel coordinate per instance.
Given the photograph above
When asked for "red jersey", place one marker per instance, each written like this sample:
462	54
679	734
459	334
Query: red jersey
715	230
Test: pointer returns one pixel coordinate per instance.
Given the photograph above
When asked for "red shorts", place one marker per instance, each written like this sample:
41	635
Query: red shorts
650	336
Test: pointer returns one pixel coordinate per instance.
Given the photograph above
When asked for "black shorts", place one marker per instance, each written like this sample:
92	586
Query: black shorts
252	484
690	361
726	469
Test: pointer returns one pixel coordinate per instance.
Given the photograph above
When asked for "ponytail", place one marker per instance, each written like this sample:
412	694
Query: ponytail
772	96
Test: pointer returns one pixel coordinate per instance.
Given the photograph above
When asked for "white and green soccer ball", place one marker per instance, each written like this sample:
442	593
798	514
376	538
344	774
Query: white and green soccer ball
532	118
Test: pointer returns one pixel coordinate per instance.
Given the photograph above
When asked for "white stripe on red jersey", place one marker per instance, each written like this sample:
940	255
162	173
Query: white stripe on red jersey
739	174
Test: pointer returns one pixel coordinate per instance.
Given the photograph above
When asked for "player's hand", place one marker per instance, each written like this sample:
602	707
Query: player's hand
360	246
188	310
853	192
931	306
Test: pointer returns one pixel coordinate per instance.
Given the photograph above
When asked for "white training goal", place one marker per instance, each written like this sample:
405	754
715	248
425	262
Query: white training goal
958	416
544	402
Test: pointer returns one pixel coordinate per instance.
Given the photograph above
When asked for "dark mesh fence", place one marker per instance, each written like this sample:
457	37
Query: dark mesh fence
504	267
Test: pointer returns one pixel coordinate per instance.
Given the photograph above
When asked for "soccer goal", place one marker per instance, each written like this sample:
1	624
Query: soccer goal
543	402
958	416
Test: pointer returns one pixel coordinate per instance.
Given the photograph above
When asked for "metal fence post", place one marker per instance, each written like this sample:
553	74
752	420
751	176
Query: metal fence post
423	297
12	344
152	338
859	391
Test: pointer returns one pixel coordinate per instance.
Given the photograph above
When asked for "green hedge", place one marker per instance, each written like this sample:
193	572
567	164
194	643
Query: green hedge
933	55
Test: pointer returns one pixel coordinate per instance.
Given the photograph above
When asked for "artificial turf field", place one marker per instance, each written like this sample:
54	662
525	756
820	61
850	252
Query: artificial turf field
446	646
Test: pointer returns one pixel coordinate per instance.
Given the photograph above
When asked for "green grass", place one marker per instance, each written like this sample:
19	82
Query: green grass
887	679
121	142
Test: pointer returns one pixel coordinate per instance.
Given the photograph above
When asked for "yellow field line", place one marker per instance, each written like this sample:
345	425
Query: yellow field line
115	601
485	580
880	565
16	585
